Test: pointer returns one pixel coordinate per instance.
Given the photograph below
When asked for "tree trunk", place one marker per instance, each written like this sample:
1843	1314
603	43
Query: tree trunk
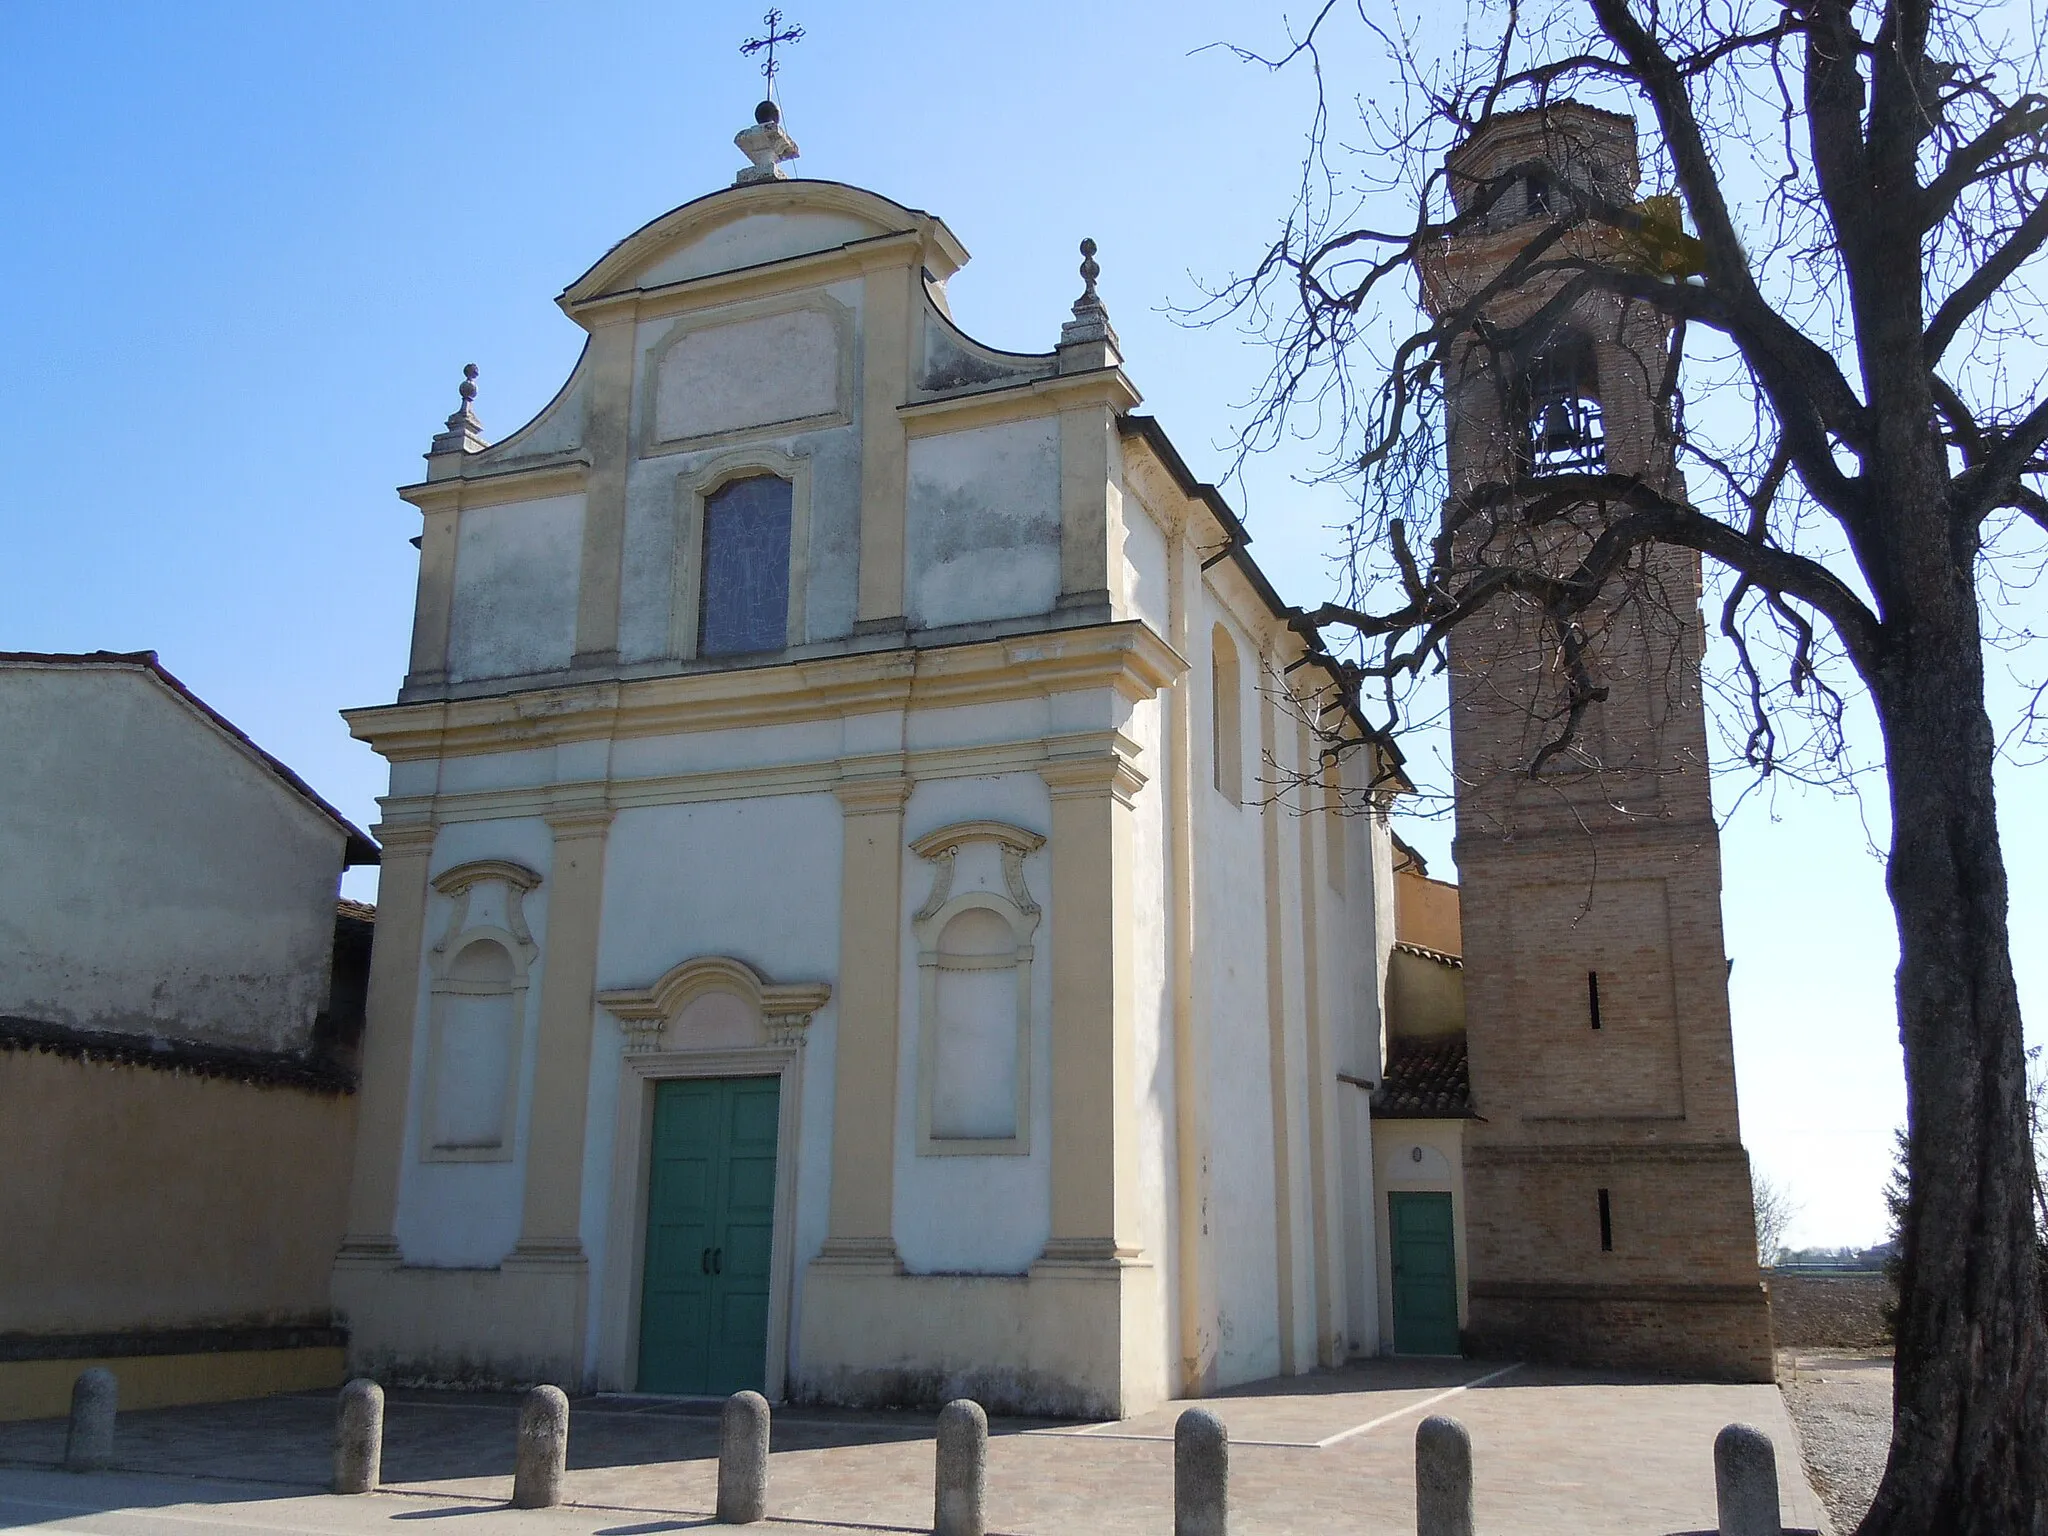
1969	1450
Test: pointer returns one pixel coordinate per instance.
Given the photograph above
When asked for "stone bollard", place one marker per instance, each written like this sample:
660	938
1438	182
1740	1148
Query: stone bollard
743	1459
543	1449
1746	1482
90	1444
359	1438
962	1480
1201	1475
1443	1478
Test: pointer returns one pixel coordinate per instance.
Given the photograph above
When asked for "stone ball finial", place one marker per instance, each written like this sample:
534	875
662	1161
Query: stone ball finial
467	389
767	112
1090	270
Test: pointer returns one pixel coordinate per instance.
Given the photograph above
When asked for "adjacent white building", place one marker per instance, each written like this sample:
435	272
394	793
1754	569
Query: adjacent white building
864	913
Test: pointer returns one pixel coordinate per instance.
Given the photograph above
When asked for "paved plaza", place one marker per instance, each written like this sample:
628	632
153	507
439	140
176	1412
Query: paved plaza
1556	1453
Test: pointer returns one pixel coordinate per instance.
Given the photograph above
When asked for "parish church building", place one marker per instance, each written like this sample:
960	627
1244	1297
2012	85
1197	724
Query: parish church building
869	913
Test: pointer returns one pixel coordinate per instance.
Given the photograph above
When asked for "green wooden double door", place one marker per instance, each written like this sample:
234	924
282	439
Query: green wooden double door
710	1235
1424	1245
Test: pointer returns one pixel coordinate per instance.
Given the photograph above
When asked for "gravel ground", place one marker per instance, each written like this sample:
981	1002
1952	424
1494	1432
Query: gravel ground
1841	1405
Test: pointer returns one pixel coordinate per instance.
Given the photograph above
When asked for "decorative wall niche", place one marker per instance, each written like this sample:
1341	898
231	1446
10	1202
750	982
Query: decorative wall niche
715	1003
477	1012
974	958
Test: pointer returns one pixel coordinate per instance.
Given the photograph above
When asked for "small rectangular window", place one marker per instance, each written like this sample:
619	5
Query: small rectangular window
745	603
1606	1223
1593	997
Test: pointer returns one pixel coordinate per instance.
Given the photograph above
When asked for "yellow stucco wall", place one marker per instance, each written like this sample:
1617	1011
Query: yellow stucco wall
138	1199
41	1389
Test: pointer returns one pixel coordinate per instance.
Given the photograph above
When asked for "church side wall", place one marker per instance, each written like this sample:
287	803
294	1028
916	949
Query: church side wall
1230	950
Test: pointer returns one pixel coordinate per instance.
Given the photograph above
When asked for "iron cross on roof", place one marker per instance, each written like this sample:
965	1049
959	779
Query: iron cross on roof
777	33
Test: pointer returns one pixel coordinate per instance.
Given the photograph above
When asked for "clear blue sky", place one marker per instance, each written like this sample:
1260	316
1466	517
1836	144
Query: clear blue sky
248	249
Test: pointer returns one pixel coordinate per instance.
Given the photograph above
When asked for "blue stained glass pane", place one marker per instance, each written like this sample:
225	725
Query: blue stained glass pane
745	603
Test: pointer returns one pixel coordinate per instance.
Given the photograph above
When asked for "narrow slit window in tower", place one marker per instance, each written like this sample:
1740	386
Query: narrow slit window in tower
1593	997
1606	1223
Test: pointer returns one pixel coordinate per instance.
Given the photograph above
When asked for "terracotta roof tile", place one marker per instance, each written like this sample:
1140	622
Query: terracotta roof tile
1425	1080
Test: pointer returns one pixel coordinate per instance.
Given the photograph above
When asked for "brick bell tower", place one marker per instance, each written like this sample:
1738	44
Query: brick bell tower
1608	1210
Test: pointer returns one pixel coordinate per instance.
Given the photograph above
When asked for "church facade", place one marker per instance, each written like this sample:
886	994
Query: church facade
864	915
868	914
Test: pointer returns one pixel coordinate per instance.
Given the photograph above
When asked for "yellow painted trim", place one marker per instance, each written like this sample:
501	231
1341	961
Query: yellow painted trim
41	1389
822	776
537	483
1105	388
887	314
1127	656
861	1229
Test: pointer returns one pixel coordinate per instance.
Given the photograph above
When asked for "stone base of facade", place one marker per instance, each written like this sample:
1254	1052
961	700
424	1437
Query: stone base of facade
1700	1332
1080	1339
514	1326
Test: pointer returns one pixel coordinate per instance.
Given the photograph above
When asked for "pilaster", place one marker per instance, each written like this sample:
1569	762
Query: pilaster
383	1099
1094	1068
550	1224
434	601
608	437
884	446
1091	510
861	1231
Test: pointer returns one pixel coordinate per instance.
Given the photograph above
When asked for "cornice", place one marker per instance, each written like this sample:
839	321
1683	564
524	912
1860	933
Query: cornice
792	274
1108	388
1126	656
533	483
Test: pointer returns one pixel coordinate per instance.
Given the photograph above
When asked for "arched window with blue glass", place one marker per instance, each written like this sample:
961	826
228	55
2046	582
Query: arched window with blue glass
743	604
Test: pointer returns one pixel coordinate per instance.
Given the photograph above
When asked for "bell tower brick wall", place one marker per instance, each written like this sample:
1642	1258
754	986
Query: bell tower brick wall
1608	1200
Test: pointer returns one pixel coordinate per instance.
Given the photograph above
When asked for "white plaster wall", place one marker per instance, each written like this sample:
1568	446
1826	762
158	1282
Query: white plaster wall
982	1214
982	533
751	240
756	879
154	875
1230	974
466	1215
516	569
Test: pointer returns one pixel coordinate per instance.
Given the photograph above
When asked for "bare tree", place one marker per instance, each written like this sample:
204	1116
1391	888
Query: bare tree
1863	467
1776	1210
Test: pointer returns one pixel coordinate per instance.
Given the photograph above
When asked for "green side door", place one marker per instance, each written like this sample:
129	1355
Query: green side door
710	1236
1425	1274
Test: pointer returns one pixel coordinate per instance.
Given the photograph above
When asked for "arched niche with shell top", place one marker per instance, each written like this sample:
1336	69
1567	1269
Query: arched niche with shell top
974	936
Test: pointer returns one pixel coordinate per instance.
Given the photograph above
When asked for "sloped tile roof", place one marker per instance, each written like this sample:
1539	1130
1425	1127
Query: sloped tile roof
1425	1080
